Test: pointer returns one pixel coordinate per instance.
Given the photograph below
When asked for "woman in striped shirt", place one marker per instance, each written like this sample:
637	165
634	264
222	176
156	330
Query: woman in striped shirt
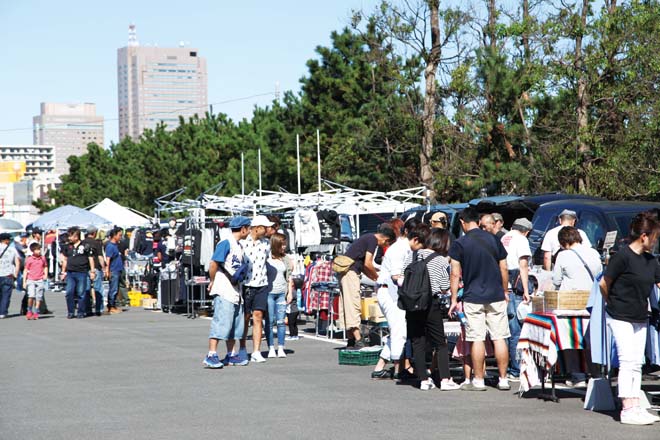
428	324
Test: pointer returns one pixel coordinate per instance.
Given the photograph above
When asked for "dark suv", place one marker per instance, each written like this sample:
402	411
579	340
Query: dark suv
595	217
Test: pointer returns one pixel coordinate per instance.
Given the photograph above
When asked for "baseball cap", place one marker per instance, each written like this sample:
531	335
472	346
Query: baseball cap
523	223
92	230
261	220
238	222
439	216
568	212
498	217
5	236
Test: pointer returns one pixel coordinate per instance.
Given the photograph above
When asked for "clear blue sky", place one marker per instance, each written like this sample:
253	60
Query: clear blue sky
66	51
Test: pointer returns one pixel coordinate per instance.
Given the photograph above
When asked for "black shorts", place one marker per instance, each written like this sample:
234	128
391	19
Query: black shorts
255	298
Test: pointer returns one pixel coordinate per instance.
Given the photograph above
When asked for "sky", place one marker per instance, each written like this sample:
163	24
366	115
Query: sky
66	51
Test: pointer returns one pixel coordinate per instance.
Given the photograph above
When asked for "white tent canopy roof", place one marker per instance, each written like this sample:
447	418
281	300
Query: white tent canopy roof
119	215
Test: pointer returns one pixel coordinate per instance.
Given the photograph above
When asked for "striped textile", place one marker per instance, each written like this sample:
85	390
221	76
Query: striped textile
541	338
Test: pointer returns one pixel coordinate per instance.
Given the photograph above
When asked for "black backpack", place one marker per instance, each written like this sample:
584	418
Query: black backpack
415	293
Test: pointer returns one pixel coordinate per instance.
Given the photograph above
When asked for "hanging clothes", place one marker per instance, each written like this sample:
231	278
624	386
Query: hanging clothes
307	228
653	335
329	226
319	294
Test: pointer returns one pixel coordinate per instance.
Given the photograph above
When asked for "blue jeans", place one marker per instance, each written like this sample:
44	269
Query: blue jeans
6	288
277	310
514	327
113	288
98	291
76	283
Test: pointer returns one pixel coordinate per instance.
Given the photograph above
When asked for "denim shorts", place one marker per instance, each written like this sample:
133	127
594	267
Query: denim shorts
36	289
255	298
227	320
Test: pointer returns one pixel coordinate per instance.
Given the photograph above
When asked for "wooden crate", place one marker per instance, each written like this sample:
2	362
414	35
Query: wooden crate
538	304
565	299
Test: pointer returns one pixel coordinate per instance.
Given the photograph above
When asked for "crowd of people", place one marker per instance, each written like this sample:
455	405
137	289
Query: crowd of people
481	278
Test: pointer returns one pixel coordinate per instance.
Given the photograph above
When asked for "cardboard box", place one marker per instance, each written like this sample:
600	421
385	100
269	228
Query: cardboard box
366	302
376	314
149	303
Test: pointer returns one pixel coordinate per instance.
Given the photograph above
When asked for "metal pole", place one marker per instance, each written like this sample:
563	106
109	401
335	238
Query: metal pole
242	173
318	157
298	160
259	161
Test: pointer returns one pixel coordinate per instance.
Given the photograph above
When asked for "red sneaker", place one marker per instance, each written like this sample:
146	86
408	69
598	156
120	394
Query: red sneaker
28	315
35	316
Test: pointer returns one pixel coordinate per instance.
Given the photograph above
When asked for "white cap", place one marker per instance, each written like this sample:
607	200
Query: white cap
261	220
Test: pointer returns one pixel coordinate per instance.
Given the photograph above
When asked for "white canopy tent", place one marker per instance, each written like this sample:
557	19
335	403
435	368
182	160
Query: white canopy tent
119	215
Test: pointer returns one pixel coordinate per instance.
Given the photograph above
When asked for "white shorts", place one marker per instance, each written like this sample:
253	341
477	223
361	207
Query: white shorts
36	289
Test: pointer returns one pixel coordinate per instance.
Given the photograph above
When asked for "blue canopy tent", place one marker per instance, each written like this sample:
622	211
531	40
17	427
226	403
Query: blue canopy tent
67	216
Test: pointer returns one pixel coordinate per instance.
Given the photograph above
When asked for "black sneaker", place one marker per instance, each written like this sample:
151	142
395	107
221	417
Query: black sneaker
405	375
350	343
357	345
381	374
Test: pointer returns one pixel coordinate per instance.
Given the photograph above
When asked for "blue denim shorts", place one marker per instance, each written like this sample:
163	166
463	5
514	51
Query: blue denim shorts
227	320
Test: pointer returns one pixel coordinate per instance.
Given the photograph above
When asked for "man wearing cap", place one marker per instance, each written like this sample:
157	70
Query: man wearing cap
498	225
226	271
77	264
9	268
550	245
99	267
517	261
256	250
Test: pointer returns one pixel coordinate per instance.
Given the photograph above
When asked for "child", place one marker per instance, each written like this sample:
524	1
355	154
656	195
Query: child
34	280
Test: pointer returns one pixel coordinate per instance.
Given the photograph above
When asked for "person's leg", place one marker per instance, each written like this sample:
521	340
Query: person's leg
69	295
514	329
269	320
113	288
89	299
98	292
39	295
293	324
475	332
497	324
417	333
350	283
31	293
5	295
435	332
627	339
81	284
257	329
280	314
248	296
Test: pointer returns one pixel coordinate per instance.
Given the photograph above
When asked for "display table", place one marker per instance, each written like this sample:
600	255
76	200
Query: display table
542	338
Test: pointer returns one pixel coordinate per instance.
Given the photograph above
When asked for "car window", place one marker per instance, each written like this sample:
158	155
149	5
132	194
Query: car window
593	226
543	220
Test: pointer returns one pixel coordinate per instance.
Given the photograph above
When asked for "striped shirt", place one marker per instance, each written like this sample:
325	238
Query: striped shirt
438	270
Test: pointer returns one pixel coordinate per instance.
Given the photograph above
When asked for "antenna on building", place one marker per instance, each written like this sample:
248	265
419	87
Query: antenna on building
132	36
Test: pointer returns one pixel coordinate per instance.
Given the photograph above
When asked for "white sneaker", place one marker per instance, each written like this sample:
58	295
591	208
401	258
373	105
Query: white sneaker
281	353
650	416
635	416
257	357
271	352
427	385
503	384
449	385
465	382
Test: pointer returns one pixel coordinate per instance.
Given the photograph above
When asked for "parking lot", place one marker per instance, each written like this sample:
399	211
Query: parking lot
138	375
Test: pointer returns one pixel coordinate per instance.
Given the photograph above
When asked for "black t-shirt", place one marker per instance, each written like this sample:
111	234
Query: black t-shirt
77	257
633	277
358	250
330	226
97	250
479	253
123	246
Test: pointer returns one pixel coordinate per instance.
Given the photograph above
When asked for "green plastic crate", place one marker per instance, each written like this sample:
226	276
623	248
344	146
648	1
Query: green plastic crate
362	357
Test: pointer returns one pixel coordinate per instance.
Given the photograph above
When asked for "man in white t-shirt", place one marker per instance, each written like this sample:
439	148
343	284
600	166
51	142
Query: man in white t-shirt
517	261
550	245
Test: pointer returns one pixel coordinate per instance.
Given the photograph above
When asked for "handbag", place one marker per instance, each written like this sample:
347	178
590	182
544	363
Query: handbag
341	264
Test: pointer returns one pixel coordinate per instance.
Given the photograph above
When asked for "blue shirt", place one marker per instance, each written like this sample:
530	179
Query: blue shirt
112	252
479	253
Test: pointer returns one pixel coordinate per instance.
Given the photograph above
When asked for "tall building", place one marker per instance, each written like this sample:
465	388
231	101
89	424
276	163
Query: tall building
30	161
158	84
68	127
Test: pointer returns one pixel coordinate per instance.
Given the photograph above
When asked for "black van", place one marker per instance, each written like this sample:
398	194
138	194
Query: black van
595	217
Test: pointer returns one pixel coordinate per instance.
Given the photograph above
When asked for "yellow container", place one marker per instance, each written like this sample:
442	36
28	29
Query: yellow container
366	302
135	298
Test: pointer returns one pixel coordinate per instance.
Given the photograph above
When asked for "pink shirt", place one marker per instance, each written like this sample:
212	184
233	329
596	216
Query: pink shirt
35	267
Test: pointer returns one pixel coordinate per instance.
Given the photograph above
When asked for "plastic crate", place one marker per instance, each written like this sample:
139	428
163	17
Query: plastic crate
361	357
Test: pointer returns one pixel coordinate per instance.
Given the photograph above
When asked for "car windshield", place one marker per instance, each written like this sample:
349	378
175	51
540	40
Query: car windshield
622	221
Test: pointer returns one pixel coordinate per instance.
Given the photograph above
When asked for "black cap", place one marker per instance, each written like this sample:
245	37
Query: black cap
5	236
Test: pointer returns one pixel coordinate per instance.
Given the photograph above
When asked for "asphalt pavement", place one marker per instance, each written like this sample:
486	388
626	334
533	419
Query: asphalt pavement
139	375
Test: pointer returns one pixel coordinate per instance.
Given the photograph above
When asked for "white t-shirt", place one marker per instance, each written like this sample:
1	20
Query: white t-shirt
392	264
551	240
569	272
229	254
280	284
517	247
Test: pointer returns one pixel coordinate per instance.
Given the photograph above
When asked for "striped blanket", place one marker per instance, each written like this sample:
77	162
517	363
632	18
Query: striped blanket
541	338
